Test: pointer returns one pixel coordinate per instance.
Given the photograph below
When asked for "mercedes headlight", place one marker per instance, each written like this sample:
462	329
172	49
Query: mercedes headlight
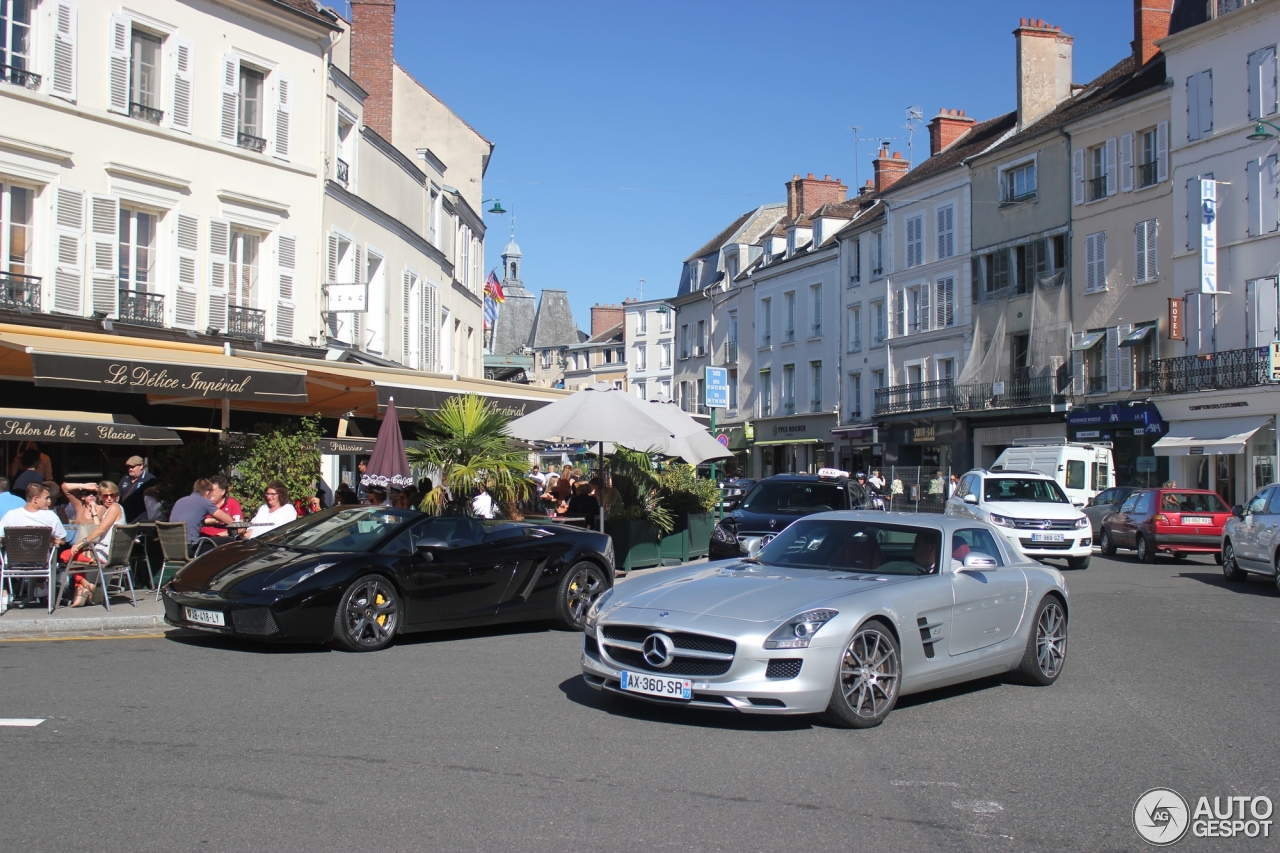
594	613
721	533
290	581
797	632
1082	522
1002	520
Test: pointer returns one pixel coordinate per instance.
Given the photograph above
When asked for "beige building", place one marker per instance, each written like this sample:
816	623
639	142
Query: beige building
602	357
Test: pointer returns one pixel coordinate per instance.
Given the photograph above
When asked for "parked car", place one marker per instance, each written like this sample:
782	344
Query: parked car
362	575
1173	521
733	491
1082	470
841	614
1107	502
775	502
1030	509
1251	538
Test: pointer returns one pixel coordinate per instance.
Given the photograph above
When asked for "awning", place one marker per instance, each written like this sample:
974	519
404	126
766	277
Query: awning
1136	337
80	428
789	441
1214	436
1088	341
512	403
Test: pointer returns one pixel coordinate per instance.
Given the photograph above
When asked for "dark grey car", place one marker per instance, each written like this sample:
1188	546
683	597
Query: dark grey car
1103	504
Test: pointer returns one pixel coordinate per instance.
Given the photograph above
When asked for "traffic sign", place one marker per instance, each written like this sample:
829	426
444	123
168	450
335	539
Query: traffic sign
1145	464
717	395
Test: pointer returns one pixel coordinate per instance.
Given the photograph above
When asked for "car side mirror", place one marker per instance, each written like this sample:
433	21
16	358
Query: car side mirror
427	548
1077	503
971	498
1238	511
976	561
754	546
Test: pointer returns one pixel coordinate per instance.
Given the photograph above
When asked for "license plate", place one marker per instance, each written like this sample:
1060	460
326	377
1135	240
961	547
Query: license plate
1047	537
656	685
205	617
1196	519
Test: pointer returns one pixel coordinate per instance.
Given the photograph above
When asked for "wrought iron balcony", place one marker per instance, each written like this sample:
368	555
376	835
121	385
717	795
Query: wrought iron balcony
1097	188
344	172
145	112
141	308
1010	394
19	292
1096	384
731	352
248	323
1237	368
253	143
19	77
914	397
1147	173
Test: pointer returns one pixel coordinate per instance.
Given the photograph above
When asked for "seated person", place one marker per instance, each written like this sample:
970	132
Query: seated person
194	508
584	504
277	510
36	513
925	552
221	496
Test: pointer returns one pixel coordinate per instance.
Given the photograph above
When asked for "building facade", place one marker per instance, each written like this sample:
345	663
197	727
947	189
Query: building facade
650	336
602	357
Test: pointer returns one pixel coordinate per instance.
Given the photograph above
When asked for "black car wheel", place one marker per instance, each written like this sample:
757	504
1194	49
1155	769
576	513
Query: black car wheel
1230	570
867	680
1046	651
1146	553
1106	545
368	615
582	585
1078	564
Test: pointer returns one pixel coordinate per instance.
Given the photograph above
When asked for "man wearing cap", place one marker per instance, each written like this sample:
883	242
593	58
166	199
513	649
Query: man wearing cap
135	482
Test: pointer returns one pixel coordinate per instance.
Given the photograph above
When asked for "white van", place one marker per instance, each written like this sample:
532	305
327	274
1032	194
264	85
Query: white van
1081	469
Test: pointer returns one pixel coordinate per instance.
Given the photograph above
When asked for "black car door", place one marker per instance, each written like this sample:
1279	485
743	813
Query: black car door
462	578
534	559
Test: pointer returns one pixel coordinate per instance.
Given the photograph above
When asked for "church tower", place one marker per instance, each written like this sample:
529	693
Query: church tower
511	267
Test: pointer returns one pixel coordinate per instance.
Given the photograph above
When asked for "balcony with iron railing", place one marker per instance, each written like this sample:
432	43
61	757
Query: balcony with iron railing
914	397
344	173
1095	384
1237	368
730	352
139	308
19	77
146	113
1097	188
19	292
1148	173
253	143
247	323
1010	394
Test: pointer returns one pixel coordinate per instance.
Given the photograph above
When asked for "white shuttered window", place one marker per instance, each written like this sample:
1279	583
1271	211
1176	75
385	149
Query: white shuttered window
1144	266
183	83
68	258
186	294
1095	261
946	231
286	272
63	84
915	241
104	230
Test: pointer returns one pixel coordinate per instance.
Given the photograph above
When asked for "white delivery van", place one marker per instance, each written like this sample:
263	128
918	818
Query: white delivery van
1081	469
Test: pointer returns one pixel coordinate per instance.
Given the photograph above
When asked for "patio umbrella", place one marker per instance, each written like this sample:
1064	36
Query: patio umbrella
388	467
692	442
597	413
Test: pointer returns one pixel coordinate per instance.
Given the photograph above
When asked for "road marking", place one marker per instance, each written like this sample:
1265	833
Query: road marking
4	640
19	721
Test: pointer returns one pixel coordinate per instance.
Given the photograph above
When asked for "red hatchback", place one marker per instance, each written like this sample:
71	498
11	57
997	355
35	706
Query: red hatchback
1175	521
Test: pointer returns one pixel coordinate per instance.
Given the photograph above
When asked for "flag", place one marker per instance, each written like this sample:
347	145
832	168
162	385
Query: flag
490	312
493	289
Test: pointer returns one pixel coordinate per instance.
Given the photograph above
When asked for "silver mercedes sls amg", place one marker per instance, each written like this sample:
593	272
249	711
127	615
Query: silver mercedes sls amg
840	614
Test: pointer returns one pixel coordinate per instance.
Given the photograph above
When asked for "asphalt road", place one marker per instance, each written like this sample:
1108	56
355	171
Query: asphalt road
489	740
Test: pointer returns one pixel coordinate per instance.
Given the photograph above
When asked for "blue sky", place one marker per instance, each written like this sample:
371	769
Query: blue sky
703	110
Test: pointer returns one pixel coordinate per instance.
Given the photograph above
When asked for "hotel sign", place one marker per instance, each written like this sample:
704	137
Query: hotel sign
89	373
1208	235
1175	320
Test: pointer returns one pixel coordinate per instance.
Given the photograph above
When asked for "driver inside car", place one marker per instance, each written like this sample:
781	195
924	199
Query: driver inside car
925	552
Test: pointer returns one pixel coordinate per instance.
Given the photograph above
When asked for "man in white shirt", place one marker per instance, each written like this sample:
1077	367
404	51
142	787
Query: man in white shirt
482	503
35	513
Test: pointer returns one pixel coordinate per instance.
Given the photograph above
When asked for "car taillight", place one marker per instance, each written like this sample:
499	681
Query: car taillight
1161	518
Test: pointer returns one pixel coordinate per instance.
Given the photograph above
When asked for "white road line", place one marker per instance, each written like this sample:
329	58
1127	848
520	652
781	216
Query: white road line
19	721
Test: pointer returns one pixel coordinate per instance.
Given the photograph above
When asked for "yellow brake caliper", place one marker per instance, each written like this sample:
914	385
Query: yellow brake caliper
379	600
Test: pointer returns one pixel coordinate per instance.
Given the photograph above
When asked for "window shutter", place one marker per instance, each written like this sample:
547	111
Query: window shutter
229	82
1162	151
945	309
1111	166
1268	82
1253	195
1191	310
430	308
1124	358
1193	107
64	50
1126	163
900	313
68	263
104	231
331	260
1265	302
1140	252
183	80
924	309
1090	250
284	95
357	277
1153	230
1193	213
1113	358
1077	176
219	269
286	271
118	33
1077	364
1205	109
187	249
406	285
1270	186
1100	260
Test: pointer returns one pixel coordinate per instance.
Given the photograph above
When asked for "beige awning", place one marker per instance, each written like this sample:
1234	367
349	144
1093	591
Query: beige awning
1224	436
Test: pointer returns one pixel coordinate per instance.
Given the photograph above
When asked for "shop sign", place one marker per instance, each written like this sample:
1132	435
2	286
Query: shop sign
1195	451
340	446
1145	464
1275	361
84	432
1175	320
1147	415
1088	433
347	298
922	434
61	370
408	399
790	429
1208	235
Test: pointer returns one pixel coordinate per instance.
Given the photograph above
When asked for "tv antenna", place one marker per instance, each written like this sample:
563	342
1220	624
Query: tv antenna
914	115
857	181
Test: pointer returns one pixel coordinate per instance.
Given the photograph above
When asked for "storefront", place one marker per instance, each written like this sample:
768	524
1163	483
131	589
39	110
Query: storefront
1222	440
1133	430
800	444
735	439
932	444
990	442
858	448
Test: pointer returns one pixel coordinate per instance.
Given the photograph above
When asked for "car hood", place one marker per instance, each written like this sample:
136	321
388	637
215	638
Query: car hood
747	591
761	522
1017	509
244	566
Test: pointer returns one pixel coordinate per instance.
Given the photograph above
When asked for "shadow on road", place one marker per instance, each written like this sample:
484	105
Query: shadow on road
1252	585
580	693
230	643
951	692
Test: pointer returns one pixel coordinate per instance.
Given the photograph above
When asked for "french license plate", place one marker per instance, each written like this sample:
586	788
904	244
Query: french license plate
1196	519
1047	537
205	617
656	685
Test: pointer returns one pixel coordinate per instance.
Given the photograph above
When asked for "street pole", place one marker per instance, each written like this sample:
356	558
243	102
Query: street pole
720	500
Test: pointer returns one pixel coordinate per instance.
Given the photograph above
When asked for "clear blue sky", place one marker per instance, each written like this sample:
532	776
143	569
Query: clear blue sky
705	108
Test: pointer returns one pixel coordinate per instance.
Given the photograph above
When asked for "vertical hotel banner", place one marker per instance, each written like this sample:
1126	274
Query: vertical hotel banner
1208	235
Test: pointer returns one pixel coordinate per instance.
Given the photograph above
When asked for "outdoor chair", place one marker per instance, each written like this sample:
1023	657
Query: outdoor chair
114	569
29	555
173	545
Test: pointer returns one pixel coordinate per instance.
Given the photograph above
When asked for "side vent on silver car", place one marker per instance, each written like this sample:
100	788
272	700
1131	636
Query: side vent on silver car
927	636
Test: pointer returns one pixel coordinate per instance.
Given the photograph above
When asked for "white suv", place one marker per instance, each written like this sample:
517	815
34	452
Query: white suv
1030	509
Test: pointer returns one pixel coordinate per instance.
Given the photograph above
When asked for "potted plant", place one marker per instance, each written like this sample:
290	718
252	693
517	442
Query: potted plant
691	502
635	518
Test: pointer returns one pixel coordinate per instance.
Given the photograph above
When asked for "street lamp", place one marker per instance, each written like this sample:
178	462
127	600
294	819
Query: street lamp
497	205
1261	133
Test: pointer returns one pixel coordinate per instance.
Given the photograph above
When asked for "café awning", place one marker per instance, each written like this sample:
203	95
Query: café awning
1087	341
1225	436
80	428
1136	337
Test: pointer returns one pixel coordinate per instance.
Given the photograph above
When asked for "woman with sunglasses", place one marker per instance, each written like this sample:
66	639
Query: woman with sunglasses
88	511
275	512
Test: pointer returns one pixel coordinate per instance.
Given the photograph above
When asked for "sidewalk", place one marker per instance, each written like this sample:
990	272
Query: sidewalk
66	620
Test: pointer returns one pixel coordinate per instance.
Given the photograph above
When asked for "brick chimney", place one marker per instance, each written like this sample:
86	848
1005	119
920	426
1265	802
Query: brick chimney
1044	68
945	128
805	195
373	30
889	169
1150	23
605	317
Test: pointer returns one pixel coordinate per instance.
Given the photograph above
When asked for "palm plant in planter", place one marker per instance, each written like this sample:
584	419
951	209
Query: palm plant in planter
636	517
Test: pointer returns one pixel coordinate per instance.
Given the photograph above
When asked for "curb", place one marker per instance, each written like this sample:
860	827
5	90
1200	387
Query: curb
51	625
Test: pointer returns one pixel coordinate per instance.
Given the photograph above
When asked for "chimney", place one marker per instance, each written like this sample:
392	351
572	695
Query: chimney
1150	23
805	195
1044	68
605	317
945	128
866	189
889	169
373	30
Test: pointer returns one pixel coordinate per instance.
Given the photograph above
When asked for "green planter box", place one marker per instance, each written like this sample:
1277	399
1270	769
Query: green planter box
700	527
635	544
675	545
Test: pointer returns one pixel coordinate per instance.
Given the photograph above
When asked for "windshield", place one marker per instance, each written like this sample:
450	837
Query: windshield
1192	502
349	529
860	546
1015	489
795	498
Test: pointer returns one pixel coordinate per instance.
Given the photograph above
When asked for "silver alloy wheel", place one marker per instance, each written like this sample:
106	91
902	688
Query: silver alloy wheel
585	586
1051	639
372	612
1142	548
869	673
